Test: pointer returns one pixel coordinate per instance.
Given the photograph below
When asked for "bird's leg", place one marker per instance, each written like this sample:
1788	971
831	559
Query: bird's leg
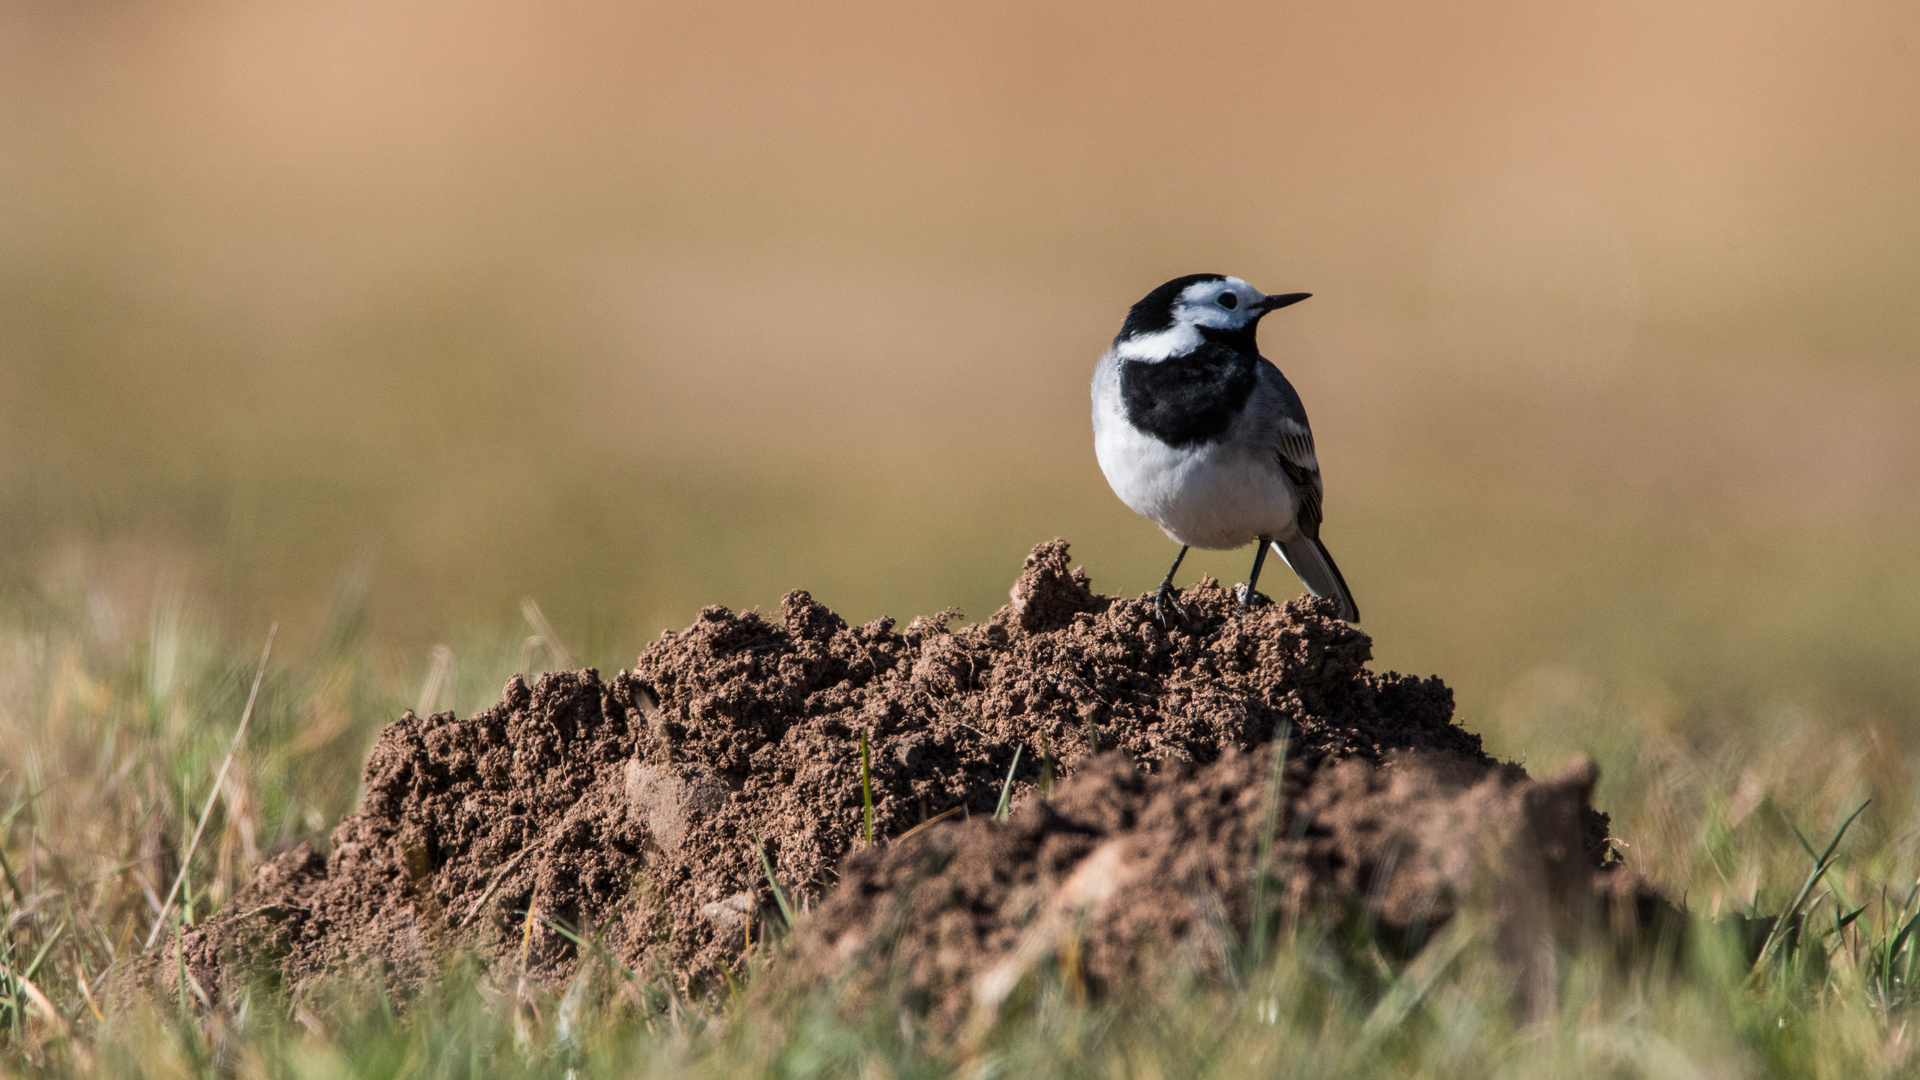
1253	579
1163	596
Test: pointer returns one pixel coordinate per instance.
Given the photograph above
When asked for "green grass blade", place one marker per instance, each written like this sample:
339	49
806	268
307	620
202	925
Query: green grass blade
1414	984
1004	808
1841	922
779	897
45	948
1900	940
1782	926
594	947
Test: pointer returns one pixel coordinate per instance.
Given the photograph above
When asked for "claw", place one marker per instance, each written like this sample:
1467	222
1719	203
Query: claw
1250	599
1163	598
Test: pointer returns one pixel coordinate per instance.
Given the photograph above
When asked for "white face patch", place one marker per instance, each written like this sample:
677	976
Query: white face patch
1176	340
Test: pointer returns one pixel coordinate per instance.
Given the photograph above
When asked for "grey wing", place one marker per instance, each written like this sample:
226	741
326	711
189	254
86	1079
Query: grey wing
1285	427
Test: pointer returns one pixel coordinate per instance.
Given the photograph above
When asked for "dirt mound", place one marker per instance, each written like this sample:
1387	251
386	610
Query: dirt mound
638	809
1121	873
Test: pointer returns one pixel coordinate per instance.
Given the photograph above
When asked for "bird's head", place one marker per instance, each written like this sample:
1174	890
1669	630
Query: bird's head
1176	317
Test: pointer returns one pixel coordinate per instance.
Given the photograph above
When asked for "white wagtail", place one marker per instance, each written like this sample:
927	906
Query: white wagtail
1203	436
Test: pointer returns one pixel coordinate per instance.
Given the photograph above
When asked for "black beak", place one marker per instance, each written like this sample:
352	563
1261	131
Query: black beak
1275	303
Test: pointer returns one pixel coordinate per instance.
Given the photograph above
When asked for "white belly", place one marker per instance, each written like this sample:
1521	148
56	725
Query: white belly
1211	497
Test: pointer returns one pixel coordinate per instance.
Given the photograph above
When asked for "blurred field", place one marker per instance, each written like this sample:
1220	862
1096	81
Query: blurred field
377	319
636	309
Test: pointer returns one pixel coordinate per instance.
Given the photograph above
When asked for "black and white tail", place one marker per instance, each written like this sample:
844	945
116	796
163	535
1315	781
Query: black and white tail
1309	559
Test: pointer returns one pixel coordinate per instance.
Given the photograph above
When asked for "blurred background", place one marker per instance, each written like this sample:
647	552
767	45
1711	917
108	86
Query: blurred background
389	316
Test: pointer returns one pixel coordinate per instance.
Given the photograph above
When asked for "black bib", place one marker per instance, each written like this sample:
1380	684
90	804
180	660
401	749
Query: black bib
1189	400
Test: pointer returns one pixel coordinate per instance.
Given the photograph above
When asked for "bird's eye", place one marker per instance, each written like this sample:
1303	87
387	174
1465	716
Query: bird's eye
1229	301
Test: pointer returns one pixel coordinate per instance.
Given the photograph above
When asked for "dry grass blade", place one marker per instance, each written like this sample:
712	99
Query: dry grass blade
526	929
246	715
438	684
866	787
1269	826
36	998
493	886
544	635
934	820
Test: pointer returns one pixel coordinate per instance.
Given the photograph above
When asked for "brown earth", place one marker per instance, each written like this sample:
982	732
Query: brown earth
637	809
1123	874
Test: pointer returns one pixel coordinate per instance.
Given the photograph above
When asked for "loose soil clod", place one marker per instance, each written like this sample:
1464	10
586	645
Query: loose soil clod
630	808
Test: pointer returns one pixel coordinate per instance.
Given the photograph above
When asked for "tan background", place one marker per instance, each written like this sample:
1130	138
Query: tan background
631	308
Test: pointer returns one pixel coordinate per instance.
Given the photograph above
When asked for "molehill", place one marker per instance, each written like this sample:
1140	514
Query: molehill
643	811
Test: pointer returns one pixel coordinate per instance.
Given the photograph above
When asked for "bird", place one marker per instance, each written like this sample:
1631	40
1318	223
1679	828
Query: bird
1200	434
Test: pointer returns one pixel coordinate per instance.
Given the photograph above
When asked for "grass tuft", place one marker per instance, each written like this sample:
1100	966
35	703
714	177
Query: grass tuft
200	827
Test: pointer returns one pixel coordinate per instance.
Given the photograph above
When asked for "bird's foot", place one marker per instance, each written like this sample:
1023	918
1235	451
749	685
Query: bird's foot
1163	598
1250	599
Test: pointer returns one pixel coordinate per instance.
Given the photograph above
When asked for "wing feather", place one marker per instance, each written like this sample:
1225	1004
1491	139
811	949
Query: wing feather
1302	466
1284	426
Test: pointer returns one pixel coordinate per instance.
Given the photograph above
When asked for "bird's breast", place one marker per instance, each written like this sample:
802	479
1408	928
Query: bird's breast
1211	496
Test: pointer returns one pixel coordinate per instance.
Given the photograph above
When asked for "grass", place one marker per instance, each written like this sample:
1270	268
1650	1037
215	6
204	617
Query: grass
110	745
